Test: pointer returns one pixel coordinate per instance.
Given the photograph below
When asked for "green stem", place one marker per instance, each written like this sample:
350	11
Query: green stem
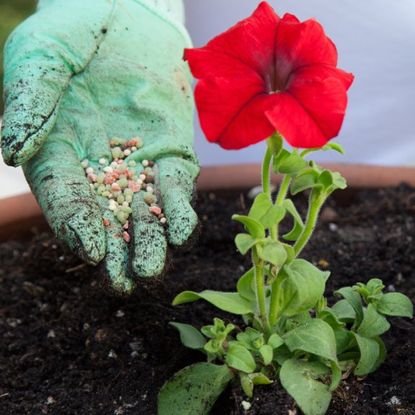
266	175
260	290
315	204
259	271
266	181
282	193
273	307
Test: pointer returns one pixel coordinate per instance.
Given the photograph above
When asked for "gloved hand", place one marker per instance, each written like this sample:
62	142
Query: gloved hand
77	74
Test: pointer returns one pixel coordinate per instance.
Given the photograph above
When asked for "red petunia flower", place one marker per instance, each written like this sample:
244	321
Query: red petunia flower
268	74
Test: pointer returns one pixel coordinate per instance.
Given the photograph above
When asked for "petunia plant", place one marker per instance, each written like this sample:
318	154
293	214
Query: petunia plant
276	79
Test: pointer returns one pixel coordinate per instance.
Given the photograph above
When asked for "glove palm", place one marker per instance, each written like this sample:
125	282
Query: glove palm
78	74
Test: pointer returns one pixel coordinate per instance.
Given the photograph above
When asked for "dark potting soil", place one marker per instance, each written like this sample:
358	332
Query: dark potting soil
68	346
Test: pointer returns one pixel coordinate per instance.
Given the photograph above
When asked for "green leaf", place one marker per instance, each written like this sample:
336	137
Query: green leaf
218	329
272	252
282	354
396	304
193	390
260	206
339	182
189	335
373	323
331	318
275	144
296	320
248	381
344	340
266	353
291	255
245	285
244	242
252	226
315	336
247	384
240	358
273	216
331	181
250	338
230	302
218	334
354	299
265	212
260	379
299	379
326	179
344	310
306	179
372	290
298	222
329	146
300	286
275	341
369	355
214	349
382	353
288	163
375	286
336	376
334	146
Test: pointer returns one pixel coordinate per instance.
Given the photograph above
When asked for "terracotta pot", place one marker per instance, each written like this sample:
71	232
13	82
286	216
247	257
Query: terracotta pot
19	214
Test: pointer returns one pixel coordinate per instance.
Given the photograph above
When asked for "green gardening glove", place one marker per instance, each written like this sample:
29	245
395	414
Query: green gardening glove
79	73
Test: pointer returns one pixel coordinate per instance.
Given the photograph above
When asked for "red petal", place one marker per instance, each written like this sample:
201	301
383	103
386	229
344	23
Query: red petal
320	73
219	100
301	44
290	18
293	122
252	40
207	63
321	91
250	125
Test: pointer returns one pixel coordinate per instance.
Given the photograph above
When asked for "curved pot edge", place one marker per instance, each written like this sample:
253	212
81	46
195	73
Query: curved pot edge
358	176
21	212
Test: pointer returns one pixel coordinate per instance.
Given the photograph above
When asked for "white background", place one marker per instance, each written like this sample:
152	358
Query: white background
375	40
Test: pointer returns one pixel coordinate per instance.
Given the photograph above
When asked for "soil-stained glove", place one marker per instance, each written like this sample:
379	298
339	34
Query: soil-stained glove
77	74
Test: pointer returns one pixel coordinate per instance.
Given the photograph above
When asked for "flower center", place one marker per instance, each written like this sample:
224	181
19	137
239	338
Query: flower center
274	83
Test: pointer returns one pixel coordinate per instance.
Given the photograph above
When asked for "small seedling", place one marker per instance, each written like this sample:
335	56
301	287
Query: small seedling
276	79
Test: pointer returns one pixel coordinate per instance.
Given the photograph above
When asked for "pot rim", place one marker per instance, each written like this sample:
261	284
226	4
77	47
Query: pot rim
359	176
22	212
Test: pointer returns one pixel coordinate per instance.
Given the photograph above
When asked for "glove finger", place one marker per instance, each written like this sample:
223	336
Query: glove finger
175	181
58	181
41	57
116	258
149	247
